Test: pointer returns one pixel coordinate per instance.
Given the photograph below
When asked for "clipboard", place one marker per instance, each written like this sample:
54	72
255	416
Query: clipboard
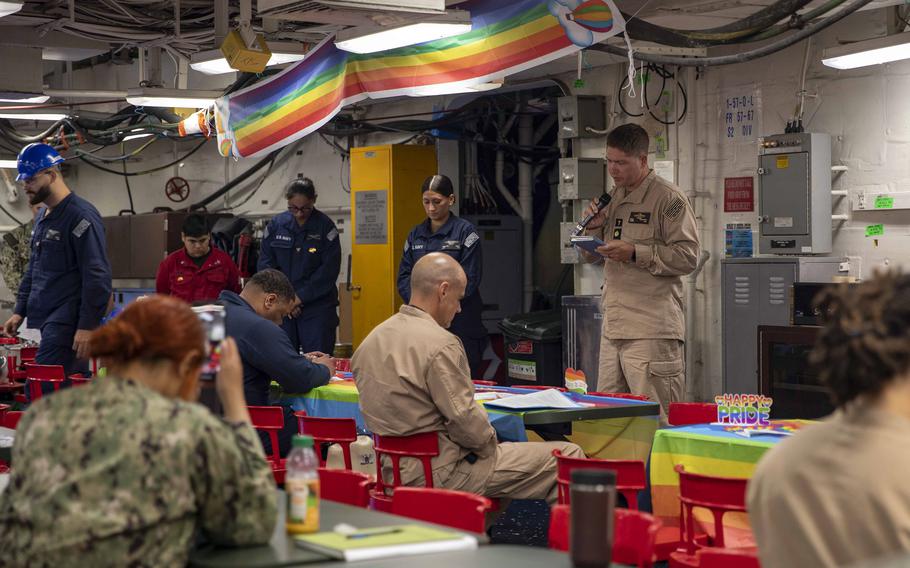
587	243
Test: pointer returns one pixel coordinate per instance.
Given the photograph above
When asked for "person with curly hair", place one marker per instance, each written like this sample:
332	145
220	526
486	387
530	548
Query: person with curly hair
836	493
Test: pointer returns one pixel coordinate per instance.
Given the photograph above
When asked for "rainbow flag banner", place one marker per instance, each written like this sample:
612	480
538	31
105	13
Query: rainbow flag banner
710	449
613	438
506	38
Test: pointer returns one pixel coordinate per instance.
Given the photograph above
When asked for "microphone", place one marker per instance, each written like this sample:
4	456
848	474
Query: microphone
602	202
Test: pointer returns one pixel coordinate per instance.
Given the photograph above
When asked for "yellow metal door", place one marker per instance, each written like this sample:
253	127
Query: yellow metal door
385	206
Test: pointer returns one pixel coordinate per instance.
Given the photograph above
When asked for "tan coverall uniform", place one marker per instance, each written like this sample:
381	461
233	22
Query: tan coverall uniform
413	377
641	347
836	493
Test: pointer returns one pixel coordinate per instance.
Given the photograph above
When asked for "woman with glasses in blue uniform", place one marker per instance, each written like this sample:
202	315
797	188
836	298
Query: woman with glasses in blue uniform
303	244
444	232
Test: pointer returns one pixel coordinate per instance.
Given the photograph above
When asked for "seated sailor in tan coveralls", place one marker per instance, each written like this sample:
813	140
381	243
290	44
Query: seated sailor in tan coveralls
413	377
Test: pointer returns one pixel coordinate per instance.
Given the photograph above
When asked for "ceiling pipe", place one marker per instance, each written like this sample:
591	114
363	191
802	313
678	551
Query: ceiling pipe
84	94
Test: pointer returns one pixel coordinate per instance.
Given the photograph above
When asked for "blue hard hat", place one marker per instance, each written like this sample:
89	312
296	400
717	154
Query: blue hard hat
35	158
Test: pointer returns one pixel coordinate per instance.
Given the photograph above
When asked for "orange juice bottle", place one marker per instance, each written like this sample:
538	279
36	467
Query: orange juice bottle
301	483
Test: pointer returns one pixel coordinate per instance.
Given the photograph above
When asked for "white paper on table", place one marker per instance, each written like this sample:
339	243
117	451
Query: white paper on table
761	432
550	398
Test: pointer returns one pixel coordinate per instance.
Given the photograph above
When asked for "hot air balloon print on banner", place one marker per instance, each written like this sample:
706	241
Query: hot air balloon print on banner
594	15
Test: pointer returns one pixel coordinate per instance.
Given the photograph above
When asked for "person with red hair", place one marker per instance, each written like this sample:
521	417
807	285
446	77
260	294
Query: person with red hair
128	469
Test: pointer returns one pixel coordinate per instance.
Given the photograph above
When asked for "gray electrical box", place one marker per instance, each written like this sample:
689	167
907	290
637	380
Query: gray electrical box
581	178
756	291
794	186
500	286
577	113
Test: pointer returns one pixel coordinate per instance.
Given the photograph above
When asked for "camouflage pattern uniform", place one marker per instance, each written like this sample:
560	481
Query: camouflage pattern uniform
15	250
114	473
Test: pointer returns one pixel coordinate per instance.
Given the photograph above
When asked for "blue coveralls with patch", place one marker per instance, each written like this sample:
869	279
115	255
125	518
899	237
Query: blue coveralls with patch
68	281
459	239
310	256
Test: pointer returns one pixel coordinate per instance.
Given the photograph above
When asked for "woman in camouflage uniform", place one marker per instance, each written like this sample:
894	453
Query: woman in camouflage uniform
126	470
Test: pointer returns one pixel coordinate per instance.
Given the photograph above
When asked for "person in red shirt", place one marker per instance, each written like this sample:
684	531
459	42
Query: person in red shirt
198	271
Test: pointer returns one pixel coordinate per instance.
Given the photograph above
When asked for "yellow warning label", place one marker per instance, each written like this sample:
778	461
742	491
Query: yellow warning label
783	162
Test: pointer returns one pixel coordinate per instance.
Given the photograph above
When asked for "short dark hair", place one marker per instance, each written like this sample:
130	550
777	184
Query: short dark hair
862	346
273	281
300	186
438	184
195	225
629	138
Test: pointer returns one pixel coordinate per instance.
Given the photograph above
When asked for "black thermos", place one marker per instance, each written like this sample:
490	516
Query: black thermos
593	498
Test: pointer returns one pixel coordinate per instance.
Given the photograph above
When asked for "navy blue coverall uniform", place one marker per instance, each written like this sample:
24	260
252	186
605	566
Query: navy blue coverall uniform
68	281
267	354
459	239
310	256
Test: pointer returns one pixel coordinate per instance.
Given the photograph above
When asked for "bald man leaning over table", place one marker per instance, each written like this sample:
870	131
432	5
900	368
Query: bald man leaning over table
413	377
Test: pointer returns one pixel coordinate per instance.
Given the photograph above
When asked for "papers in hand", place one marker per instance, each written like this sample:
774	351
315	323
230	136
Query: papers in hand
550	398
587	242
385	542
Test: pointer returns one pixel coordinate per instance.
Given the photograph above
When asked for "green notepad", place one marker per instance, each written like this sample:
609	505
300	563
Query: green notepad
406	540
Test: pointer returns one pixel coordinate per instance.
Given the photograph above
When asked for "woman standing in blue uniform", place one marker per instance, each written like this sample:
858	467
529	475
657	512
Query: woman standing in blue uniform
445	232
303	244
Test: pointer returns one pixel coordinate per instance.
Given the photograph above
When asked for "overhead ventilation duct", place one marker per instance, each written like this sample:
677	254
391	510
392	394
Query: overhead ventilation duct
21	74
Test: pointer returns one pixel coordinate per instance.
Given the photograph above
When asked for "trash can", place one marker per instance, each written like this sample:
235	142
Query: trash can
533	348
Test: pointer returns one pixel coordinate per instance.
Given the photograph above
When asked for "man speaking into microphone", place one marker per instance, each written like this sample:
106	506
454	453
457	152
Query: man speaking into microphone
650	242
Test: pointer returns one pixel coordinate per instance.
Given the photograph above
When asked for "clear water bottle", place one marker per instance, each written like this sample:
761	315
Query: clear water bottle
301	484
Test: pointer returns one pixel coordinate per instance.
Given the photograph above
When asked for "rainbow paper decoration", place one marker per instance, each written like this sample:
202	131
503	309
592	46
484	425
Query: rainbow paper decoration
506	38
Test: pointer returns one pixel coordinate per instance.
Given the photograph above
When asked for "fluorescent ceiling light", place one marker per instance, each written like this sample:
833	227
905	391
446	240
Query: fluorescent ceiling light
53	117
869	52
212	61
373	39
455	89
7	8
135	136
34	99
8	164
171	98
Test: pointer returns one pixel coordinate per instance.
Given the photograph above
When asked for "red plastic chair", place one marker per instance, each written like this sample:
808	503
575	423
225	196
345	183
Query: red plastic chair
342	431
728	558
479	383
539	387
626	395
27	355
630	475
270	419
633	535
456	509
79	380
3	409
11	419
345	486
685	413
719	495
35	375
423	446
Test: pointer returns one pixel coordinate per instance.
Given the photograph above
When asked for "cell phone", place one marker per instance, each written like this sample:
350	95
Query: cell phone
587	242
212	318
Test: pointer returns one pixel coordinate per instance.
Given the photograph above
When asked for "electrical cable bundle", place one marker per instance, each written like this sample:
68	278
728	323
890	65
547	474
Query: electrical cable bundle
664	75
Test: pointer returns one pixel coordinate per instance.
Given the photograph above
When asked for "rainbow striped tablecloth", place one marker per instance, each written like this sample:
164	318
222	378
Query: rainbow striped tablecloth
613	438
712	450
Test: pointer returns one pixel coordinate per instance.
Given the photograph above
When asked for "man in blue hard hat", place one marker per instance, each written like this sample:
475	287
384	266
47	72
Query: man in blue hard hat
67	284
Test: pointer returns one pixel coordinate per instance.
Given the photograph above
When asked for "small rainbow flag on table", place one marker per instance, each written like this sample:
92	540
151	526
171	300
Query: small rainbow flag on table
506	38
